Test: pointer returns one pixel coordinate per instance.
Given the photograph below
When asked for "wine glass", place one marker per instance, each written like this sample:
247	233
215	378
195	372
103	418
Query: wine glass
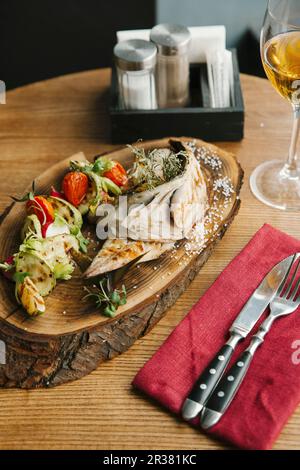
277	183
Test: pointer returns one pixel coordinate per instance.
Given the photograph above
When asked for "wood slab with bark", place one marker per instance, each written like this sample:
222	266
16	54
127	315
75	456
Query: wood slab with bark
72	338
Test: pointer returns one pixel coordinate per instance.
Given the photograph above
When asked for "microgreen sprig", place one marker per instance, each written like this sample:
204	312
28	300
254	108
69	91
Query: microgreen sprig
106	300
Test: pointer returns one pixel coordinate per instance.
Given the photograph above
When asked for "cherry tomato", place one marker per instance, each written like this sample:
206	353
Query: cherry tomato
117	174
75	186
42	208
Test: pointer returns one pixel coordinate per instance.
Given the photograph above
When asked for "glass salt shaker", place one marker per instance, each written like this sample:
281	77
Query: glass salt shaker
172	70
135	60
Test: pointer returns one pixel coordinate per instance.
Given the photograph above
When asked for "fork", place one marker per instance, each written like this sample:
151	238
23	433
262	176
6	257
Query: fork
286	301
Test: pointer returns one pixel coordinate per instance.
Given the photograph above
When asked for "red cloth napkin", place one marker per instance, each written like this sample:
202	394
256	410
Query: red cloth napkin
271	390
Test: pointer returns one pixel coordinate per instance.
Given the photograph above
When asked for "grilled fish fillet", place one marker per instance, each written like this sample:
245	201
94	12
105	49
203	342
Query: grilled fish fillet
189	202
155	219
115	254
167	212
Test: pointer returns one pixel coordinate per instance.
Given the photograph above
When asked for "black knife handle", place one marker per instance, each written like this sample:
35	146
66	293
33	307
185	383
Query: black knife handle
206	383
225	391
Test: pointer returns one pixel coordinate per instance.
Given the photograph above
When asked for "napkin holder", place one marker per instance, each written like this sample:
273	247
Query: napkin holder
197	119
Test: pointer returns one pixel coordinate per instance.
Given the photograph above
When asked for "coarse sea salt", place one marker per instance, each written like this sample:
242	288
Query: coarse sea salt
224	186
208	156
223	189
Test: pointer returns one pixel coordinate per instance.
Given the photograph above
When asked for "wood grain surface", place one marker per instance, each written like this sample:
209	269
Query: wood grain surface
40	125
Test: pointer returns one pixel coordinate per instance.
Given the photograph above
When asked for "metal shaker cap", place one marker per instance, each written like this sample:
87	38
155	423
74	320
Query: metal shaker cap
171	39
135	54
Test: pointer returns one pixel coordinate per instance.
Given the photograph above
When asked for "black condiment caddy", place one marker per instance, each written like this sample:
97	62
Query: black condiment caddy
197	119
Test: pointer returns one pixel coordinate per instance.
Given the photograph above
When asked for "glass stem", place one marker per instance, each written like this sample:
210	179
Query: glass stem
291	165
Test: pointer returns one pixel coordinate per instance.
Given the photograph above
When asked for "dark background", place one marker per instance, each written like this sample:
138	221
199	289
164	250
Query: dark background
45	38
41	39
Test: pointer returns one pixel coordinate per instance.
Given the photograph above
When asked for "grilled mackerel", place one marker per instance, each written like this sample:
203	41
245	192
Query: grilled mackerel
167	200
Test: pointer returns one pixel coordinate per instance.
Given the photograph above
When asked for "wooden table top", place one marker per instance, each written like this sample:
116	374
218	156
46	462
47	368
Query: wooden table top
48	121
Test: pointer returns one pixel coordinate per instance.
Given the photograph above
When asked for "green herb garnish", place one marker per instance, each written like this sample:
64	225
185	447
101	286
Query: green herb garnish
102	165
155	167
106	300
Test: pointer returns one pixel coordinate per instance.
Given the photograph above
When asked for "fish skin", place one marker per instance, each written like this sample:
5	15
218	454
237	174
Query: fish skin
156	251
190	200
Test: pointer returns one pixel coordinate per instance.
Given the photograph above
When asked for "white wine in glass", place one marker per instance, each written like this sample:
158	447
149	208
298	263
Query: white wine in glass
277	183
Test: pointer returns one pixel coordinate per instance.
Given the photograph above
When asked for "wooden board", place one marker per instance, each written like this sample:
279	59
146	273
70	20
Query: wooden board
72	337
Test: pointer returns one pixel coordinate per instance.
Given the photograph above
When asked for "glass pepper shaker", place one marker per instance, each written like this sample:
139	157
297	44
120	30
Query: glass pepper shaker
135	60
172	70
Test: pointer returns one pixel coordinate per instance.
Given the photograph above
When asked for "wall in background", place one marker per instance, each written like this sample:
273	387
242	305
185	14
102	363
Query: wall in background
237	15
243	20
43	39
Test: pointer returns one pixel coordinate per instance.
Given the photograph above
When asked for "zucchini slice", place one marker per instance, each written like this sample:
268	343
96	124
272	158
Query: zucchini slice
38	270
67	211
30	298
54	250
31	225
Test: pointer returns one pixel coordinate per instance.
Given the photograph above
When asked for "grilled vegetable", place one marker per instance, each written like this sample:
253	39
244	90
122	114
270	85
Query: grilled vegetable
101	165
66	211
42	208
39	206
117	174
63	271
58	227
50	235
30	297
81	259
37	266
31	226
37	269
84	207
83	242
91	195
101	184
75	186
55	250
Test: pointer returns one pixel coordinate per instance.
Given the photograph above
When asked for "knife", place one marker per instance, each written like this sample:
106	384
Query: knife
241	327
